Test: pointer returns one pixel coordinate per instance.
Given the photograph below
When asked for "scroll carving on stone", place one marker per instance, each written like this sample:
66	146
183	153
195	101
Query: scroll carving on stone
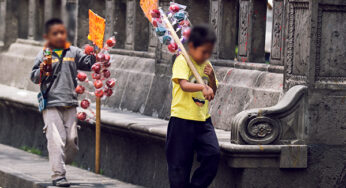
279	124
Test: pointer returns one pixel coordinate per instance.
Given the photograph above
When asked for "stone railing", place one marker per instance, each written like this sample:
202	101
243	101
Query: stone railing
238	23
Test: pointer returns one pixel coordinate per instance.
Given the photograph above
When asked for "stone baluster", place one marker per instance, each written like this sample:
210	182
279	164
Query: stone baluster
223	18
69	16
2	22
277	45
215	19
153	41
110	18
32	19
130	24
48	9
251	33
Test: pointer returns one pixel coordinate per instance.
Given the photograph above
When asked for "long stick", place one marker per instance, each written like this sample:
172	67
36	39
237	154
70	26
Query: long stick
98	135
182	48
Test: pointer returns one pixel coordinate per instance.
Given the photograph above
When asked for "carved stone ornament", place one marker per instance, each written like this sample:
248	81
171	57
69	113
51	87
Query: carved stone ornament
279	124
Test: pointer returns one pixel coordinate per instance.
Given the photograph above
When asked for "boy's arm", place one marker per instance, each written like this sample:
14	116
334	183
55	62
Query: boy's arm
192	87
84	62
208	70
180	75
35	73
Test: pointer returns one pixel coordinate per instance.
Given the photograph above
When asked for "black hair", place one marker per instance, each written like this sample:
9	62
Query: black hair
49	23
202	34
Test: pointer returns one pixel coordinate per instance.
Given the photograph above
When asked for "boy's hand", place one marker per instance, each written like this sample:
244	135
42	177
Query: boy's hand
208	93
42	67
208	70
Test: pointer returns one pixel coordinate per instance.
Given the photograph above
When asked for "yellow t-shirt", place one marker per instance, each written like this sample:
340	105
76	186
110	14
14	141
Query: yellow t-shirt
188	105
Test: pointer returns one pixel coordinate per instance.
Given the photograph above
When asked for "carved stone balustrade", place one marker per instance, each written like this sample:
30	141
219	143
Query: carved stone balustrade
283	125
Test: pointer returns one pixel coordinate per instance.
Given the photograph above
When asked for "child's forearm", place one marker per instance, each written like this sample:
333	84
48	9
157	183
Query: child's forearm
190	87
212	83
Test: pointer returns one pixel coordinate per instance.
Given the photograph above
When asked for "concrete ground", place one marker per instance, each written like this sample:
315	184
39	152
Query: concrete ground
25	170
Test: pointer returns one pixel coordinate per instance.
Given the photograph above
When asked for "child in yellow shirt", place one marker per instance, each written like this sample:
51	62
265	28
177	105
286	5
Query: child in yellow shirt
190	128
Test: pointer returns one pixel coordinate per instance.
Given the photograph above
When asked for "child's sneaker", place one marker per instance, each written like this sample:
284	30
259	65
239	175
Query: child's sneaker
62	182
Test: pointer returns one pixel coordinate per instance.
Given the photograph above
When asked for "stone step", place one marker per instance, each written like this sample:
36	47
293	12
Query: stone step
20	169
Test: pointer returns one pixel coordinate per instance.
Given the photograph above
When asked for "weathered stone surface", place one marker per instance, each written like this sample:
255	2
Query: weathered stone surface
251	33
132	144
228	31
144	87
21	169
277	45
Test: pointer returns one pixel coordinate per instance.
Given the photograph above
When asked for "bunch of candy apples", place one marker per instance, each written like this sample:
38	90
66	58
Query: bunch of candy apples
178	16
102	83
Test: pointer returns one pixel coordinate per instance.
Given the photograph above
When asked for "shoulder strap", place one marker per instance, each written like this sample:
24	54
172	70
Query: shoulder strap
55	74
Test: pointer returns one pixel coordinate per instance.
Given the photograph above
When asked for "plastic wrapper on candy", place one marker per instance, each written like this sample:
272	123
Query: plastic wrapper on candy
82	76
80	89
85	104
160	31
111	42
173	47
81	116
166	39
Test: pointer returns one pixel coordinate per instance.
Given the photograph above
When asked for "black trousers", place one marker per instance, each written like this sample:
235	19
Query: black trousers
184	137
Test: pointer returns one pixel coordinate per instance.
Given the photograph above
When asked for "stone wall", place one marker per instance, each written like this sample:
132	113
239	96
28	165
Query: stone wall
308	48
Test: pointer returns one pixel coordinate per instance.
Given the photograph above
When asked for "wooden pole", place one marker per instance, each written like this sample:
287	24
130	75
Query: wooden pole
182	48
98	135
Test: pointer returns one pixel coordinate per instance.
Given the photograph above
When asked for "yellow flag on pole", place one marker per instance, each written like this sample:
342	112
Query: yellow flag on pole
148	5
97	26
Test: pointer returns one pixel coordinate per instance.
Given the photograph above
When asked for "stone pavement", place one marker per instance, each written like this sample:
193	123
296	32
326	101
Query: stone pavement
20	169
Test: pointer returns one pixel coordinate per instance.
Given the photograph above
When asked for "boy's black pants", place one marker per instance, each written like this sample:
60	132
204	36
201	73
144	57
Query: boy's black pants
183	138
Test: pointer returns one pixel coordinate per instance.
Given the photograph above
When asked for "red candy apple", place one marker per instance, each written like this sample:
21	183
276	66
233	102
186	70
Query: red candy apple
85	104
111	42
100	57
96	67
174	8
155	13
156	22
187	32
96	76
184	23
81	116
108	92
107	58
172	47
98	84
99	93
81	76
80	89
88	49
110	83
107	64
106	73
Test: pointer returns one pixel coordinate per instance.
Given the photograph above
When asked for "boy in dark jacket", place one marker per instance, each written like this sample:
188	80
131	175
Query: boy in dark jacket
58	89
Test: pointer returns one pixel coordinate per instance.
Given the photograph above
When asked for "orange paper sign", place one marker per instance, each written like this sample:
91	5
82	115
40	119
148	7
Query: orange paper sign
96	29
148	5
